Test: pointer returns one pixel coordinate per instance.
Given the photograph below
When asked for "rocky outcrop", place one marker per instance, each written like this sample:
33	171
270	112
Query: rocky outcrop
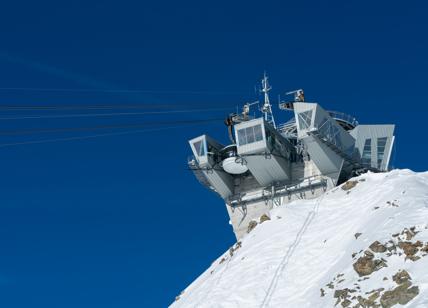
368	264
349	185
264	218
251	226
377	247
374	258
402	294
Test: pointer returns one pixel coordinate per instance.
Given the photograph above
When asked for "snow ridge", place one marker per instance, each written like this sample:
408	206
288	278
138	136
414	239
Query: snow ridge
351	248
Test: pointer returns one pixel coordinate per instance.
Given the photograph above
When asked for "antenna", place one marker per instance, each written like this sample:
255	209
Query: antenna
267	108
299	95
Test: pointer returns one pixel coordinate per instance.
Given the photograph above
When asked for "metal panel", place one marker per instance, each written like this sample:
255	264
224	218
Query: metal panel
205	149
252	147
268	158
327	143
221	181
363	132
326	160
268	169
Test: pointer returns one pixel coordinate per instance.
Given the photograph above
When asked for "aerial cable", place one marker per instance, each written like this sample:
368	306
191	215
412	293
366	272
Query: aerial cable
83	107
95	107
101	127
83	115
90	136
115	91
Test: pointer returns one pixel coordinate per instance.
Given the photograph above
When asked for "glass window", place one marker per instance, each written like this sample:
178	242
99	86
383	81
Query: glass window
200	148
305	119
249	131
367	152
258	134
250	135
381	143
241	137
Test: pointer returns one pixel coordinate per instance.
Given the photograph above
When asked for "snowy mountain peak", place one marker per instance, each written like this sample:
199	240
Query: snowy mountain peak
362	244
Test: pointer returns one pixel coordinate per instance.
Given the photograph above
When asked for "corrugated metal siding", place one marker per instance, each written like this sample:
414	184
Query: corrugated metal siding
268	170
363	132
327	161
222	182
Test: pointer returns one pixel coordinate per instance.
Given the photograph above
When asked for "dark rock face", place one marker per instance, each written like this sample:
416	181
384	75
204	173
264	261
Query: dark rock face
264	218
401	277
251	226
349	185
357	235
402	294
377	247
374	258
410	249
367	265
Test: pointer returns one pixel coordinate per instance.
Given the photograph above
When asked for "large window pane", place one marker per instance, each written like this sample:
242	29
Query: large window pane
305	119
242	140
258	132
200	148
250	135
367	153
381	143
249	131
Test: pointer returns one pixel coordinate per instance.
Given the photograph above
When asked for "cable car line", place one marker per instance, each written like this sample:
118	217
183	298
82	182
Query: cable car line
91	136
58	116
98	107
84	107
101	127
70	90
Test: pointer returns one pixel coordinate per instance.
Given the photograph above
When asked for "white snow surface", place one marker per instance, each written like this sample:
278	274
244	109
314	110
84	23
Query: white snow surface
284	262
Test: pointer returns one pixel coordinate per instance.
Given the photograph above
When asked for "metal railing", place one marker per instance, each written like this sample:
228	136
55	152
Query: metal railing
343	117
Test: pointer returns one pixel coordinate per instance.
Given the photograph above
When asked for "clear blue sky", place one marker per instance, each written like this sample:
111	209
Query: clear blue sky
118	221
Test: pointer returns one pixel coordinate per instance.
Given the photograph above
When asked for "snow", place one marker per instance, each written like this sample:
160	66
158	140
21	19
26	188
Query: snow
285	261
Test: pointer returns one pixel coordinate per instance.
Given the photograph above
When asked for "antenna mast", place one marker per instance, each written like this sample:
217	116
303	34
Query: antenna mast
267	108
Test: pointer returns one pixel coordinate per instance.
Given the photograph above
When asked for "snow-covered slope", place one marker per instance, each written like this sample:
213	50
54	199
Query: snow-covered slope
363	244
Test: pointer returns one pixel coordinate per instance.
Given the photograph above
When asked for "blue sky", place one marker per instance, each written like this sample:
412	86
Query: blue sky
118	221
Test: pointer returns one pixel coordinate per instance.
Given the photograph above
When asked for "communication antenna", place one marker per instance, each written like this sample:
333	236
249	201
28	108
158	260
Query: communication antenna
299	95
246	109
267	108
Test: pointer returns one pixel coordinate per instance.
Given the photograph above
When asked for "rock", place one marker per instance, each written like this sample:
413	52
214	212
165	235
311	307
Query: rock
401	277
414	258
391	247
400	295
369	254
366	265
179	296
251	226
368	302
357	235
235	248
349	185
264	218
409	234
322	292
341	293
377	247
409	248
